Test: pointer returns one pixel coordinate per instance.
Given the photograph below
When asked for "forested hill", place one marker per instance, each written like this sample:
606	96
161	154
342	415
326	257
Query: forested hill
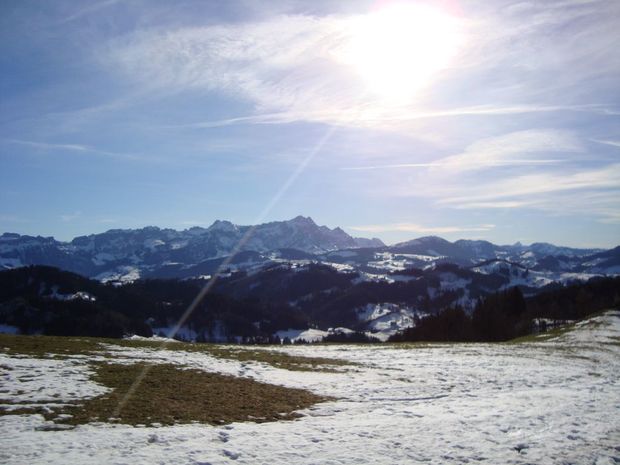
40	299
507	315
46	300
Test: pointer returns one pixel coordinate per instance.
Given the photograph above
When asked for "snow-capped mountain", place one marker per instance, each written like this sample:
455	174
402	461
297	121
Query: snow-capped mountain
151	248
129	254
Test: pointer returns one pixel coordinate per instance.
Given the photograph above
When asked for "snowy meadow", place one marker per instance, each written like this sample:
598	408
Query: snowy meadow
554	399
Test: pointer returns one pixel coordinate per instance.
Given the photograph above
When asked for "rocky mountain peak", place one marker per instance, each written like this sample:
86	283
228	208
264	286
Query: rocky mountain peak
223	226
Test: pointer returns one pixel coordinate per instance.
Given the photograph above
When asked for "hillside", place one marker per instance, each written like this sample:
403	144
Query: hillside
282	301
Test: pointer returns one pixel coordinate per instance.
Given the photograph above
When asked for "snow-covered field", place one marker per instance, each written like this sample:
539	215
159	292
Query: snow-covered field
550	402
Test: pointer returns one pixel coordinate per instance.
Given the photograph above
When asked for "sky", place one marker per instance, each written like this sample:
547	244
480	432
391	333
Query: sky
463	119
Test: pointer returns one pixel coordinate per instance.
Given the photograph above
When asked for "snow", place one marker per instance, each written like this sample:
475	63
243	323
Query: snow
424	258
309	335
47	382
341	267
80	295
592	331
369	277
498	266
542	403
569	277
123	274
340	330
135	337
389	261
373	311
386	319
152	244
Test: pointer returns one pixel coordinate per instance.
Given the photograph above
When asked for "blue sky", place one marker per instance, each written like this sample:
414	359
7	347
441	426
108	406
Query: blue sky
465	119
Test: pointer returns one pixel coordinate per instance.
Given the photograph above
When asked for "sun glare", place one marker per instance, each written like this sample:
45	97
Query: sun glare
399	48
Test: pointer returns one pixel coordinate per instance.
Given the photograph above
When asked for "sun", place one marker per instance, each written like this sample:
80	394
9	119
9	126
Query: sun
399	48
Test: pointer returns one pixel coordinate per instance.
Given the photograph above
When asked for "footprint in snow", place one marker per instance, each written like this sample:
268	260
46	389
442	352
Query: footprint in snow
231	455
520	448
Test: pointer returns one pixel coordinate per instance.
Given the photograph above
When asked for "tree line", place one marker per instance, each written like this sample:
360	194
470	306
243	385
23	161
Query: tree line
506	315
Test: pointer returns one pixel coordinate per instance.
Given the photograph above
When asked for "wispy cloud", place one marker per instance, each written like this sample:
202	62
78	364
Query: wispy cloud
369	116
68	217
291	69
417	228
587	193
89	9
447	164
613	143
494	204
512	171
520	148
55	147
537	184
48	146
601	205
610	217
285	66
515	148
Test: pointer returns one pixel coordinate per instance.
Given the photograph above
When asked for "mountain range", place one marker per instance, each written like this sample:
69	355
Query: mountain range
127	254
141	252
293	279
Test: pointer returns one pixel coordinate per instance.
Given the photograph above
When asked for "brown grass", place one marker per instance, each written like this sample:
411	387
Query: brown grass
59	346
281	360
274	358
42	346
168	395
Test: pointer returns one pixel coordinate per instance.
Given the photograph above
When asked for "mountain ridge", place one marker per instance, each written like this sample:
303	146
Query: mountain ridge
128	254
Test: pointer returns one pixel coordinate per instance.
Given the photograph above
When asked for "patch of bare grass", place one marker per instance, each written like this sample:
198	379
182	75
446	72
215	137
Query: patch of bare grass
244	354
166	394
60	346
169	395
46	346
281	360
